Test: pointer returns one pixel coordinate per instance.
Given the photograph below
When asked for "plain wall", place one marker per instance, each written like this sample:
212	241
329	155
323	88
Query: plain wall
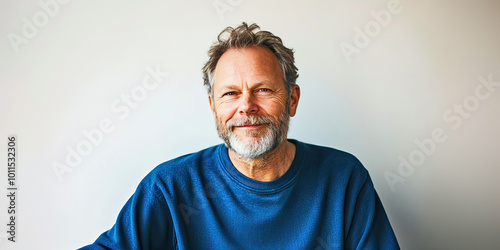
409	100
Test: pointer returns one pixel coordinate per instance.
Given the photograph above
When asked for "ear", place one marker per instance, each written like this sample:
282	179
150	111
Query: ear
294	100
211	104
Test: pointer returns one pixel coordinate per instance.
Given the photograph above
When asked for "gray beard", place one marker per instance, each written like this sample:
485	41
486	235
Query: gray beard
254	147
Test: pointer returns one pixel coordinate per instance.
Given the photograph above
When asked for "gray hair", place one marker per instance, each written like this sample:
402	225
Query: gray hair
247	36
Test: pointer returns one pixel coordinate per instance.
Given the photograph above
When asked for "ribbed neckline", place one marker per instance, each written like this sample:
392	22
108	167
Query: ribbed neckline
262	186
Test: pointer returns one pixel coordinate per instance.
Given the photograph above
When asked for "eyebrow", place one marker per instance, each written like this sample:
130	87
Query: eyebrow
254	85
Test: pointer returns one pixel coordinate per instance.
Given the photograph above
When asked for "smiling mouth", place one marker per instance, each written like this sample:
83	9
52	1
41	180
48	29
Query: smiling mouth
249	126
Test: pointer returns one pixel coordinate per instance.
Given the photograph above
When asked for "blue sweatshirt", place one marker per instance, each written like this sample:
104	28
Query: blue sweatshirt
326	200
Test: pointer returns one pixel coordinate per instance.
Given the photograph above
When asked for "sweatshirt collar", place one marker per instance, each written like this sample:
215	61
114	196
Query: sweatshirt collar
277	185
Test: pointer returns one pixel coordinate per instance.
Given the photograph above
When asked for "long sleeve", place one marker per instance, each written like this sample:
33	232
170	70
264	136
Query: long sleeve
143	223
369	227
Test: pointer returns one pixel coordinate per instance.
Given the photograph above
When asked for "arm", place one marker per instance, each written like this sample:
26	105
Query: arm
369	226
143	223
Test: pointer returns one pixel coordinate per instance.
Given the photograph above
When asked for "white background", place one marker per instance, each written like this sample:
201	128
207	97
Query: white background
86	54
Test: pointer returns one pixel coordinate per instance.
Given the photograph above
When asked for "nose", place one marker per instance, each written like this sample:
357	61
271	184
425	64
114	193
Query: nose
247	104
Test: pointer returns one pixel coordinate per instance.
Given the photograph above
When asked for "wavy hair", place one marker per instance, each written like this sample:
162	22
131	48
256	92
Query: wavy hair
247	36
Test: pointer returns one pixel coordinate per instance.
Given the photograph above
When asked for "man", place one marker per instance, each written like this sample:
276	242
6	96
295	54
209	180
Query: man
258	190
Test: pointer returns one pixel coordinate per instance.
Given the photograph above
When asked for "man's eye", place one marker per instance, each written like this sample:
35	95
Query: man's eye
229	93
264	90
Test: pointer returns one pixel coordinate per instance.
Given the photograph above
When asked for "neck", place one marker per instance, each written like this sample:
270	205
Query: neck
268	168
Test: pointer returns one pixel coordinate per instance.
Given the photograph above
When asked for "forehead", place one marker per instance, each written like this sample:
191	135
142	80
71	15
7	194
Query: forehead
247	64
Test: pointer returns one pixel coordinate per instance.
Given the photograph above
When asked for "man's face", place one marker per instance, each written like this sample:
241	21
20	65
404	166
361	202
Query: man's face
250	101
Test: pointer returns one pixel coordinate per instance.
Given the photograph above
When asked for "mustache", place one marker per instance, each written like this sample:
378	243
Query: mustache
249	120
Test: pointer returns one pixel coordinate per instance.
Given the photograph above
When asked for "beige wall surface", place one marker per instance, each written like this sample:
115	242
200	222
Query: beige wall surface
98	93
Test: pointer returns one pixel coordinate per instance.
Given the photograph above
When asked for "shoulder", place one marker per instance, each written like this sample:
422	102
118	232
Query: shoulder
329	156
188	161
180	169
330	161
